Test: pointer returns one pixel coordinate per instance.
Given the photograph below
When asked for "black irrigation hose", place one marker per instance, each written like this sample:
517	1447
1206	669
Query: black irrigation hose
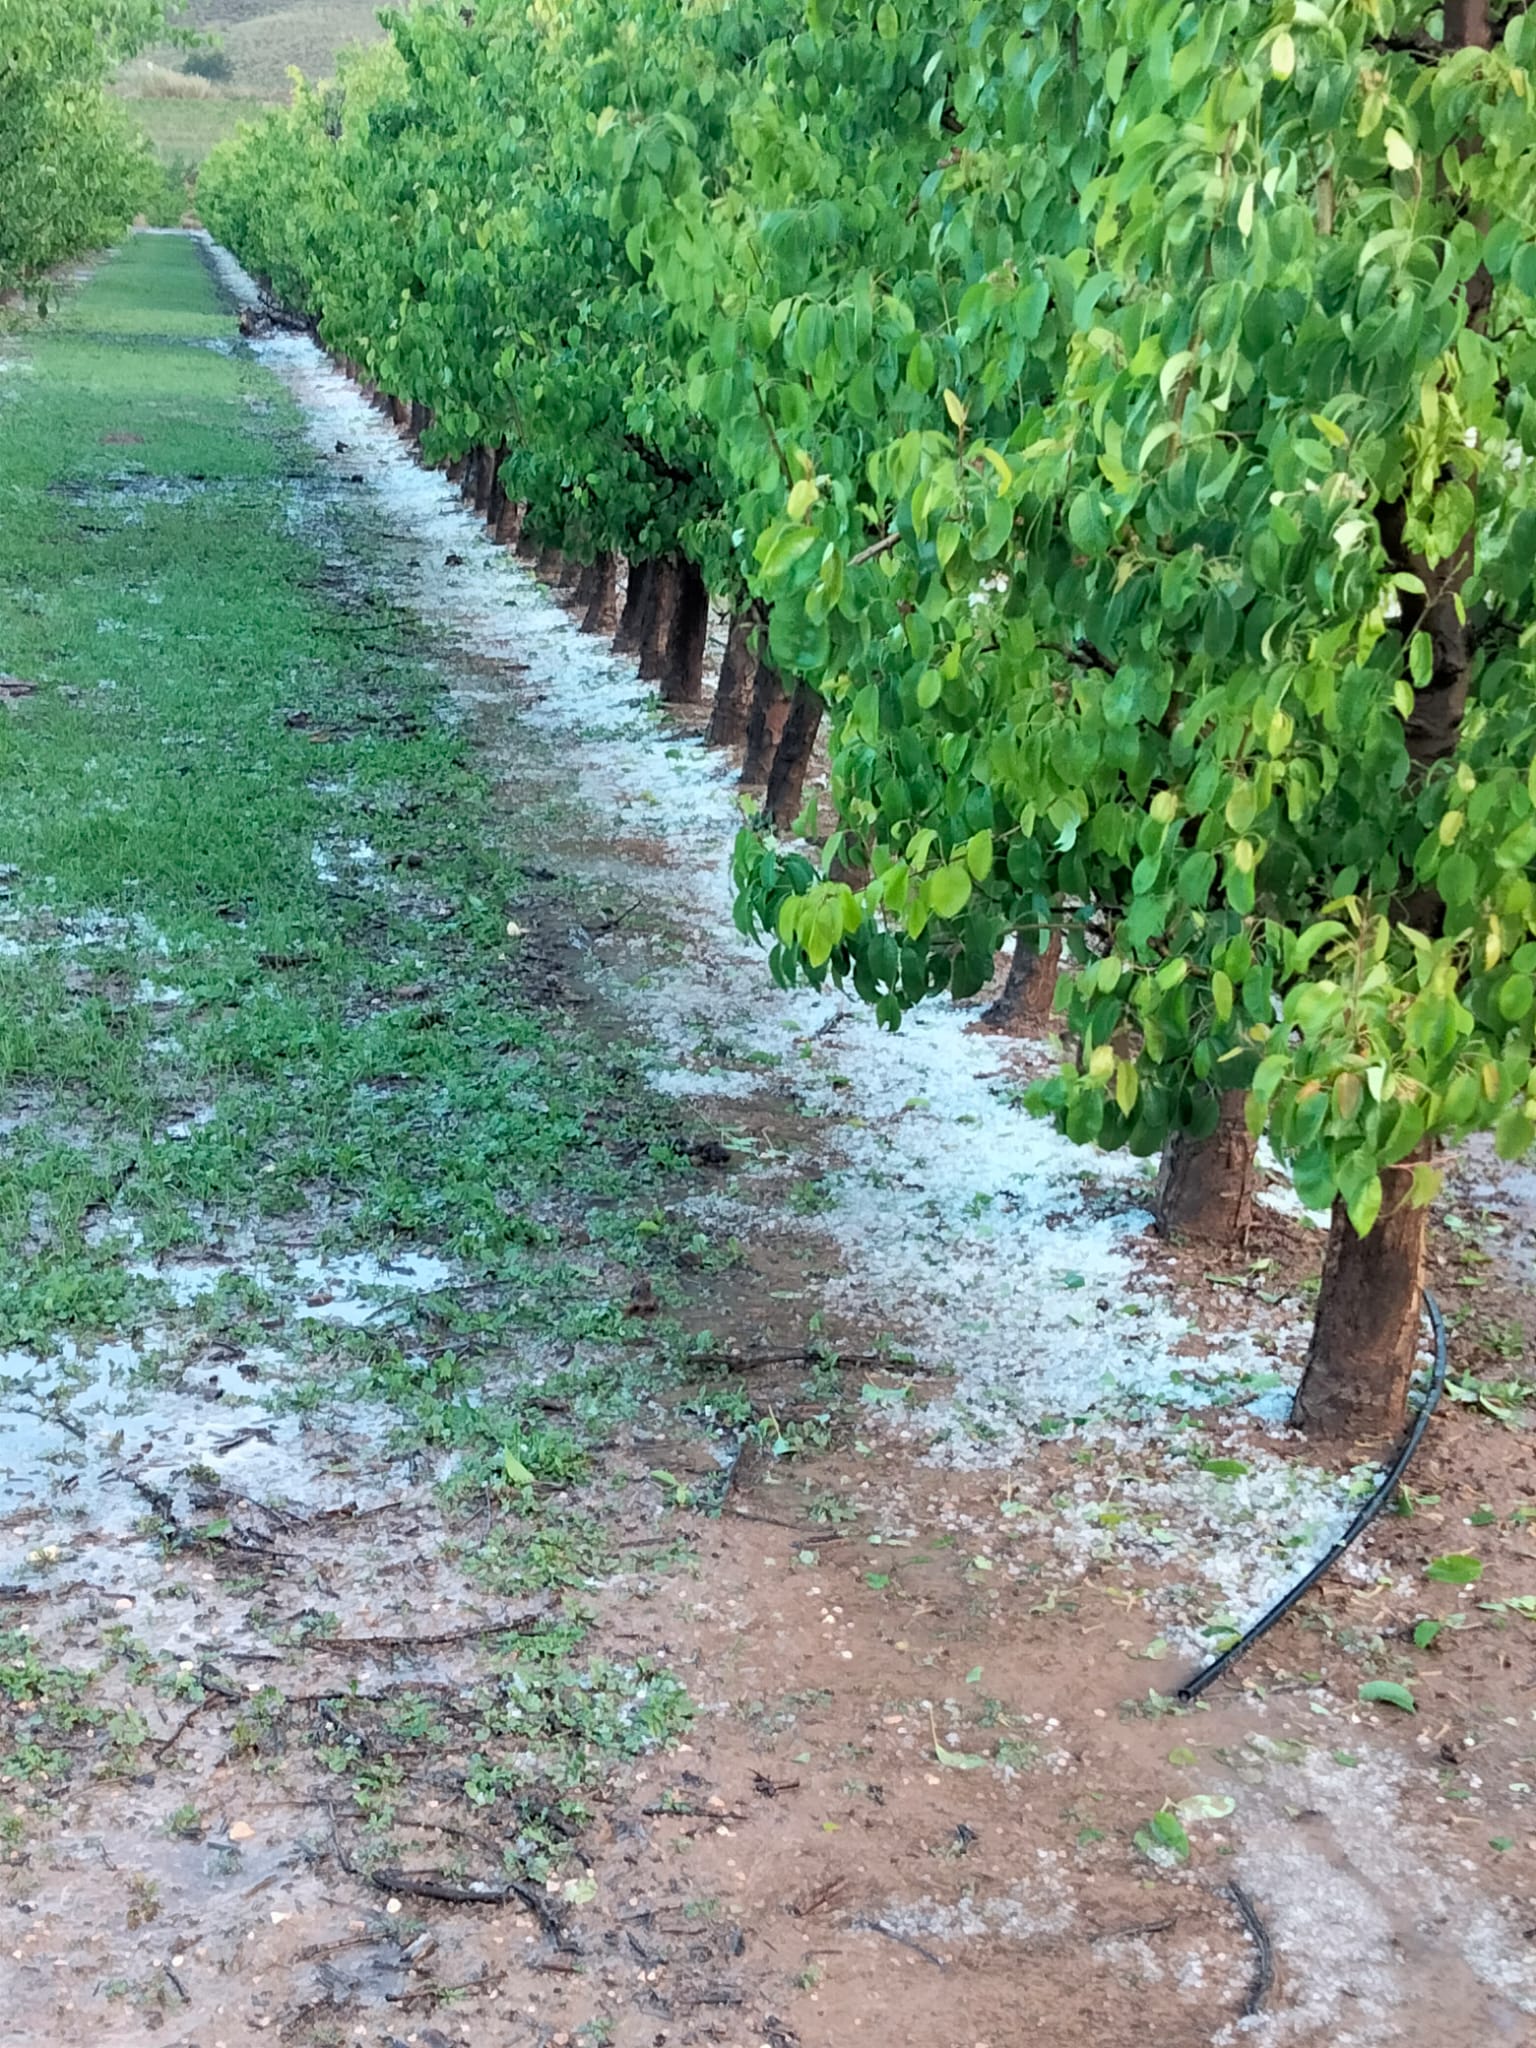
1357	1528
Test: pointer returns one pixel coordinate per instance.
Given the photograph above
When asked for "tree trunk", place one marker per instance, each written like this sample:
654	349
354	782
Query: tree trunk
765	722
510	523
660	612
1365	1336
420	419
496	502
1025	1006
733	690
791	758
551	566
1205	1185
485	479
602	600
637	588
456	470
682	670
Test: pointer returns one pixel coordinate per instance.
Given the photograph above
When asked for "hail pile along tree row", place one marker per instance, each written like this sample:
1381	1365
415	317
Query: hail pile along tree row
1113	422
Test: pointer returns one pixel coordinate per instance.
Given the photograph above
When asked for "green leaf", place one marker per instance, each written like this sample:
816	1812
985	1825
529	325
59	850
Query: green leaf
978	855
1365	1205
949	889
515	1470
1387	1693
958	1759
1455	1569
1516	995
1163	1836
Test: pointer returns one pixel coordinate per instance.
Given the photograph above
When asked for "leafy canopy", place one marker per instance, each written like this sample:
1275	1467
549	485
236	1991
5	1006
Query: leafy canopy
1125	412
72	171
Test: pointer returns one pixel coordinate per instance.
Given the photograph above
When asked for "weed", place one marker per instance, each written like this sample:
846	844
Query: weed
143	1900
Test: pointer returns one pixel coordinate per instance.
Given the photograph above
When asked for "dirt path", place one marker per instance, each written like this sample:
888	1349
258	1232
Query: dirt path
553	1493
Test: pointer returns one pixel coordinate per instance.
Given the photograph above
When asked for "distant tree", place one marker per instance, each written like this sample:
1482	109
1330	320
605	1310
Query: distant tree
214	65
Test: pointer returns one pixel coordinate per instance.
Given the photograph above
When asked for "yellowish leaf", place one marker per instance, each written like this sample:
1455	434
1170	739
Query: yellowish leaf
802	497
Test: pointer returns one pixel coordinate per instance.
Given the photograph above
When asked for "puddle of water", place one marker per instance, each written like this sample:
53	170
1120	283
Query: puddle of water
353	1289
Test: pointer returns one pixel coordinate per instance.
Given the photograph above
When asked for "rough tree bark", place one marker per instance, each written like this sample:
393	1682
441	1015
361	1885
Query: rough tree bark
496	502
1205	1185
1023	1009
637	588
733	691
601	596
456	469
552	566
791	758
660	608
765	722
510	524
682	658
485	479
1366	1335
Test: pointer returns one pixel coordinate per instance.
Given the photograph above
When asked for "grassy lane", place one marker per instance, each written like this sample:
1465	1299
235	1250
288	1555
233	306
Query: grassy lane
316	1233
225	990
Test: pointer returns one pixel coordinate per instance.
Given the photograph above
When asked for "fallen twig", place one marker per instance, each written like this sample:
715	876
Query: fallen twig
811	1533
825	1894
906	1941
611	924
745	1361
163	1749
518	1624
475	1891
1137	1928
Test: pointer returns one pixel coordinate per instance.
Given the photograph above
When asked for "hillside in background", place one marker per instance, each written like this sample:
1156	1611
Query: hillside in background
185	116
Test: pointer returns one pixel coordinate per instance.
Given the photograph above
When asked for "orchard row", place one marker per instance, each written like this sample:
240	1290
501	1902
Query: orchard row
1114	422
72	171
